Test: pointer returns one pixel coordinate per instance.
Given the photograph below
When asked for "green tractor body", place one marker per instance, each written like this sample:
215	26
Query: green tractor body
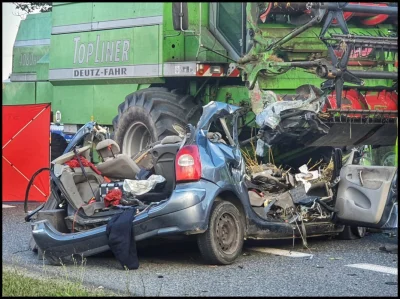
86	58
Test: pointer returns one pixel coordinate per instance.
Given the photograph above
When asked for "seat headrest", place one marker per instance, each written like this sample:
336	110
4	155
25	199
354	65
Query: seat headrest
68	156
107	148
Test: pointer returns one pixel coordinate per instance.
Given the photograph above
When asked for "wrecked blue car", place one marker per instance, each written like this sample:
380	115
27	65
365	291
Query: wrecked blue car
208	189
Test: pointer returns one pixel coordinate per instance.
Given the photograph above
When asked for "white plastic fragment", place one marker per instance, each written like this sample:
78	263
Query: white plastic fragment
260	148
305	176
139	187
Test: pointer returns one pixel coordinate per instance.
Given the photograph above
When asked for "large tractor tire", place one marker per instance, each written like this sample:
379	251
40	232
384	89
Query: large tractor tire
148	115
58	145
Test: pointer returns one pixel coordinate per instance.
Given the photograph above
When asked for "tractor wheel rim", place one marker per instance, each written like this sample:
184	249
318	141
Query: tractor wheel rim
227	233
137	137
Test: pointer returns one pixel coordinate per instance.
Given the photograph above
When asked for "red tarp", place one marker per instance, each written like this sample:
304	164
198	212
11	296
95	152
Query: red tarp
25	149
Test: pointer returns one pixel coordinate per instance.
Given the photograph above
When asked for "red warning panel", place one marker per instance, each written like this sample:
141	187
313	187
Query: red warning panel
25	149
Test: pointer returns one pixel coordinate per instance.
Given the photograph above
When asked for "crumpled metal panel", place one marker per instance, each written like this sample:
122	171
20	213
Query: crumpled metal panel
222	164
286	121
213	111
271	115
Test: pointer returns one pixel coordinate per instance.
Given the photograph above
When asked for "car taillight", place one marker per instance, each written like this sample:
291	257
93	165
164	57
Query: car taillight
187	164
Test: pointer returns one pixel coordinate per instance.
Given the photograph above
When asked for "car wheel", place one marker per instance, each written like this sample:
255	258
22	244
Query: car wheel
352	233
222	243
359	231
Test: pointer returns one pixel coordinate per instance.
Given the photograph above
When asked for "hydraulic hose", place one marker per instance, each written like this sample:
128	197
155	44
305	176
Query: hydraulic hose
30	185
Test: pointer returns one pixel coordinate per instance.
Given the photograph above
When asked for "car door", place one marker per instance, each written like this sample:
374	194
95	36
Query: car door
367	196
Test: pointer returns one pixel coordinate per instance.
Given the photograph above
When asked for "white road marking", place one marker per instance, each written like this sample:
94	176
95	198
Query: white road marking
7	206
377	268
282	252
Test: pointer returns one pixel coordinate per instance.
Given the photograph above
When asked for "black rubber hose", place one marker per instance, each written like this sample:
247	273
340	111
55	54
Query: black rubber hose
29	216
30	185
326	206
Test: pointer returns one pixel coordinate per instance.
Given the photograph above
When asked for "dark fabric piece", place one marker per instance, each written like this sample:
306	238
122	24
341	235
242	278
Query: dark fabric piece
143	174
121	239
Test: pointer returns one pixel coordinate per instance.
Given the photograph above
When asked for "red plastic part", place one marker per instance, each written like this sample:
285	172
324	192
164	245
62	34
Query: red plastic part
382	100
188	173
351	99
358	53
375	20
264	16
371	19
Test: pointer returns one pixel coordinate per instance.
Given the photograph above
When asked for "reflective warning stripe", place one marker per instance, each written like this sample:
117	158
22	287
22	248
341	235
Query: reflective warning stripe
207	72
233	71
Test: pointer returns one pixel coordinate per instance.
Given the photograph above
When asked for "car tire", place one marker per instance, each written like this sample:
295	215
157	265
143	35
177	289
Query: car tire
149	115
222	243
58	145
359	231
352	233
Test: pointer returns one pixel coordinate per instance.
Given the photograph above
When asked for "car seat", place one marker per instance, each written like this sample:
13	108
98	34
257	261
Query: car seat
115	165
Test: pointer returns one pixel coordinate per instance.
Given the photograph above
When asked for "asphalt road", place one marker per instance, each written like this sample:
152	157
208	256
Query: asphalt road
175	268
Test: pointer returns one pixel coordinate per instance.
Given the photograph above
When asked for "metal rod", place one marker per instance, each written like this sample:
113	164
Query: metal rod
304	63
227	57
363	111
367	43
226	130
295	33
385	10
375	75
362	36
370	88
383	43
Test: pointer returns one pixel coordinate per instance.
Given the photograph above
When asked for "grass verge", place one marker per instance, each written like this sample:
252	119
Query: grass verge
17	284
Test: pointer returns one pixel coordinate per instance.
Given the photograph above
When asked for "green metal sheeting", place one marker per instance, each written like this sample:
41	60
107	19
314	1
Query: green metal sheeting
17	93
78	104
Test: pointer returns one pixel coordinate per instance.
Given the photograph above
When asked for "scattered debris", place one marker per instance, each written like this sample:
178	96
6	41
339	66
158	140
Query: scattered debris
391	234
391	283
241	267
139	187
390	248
285	121
335	258
305	176
160	276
